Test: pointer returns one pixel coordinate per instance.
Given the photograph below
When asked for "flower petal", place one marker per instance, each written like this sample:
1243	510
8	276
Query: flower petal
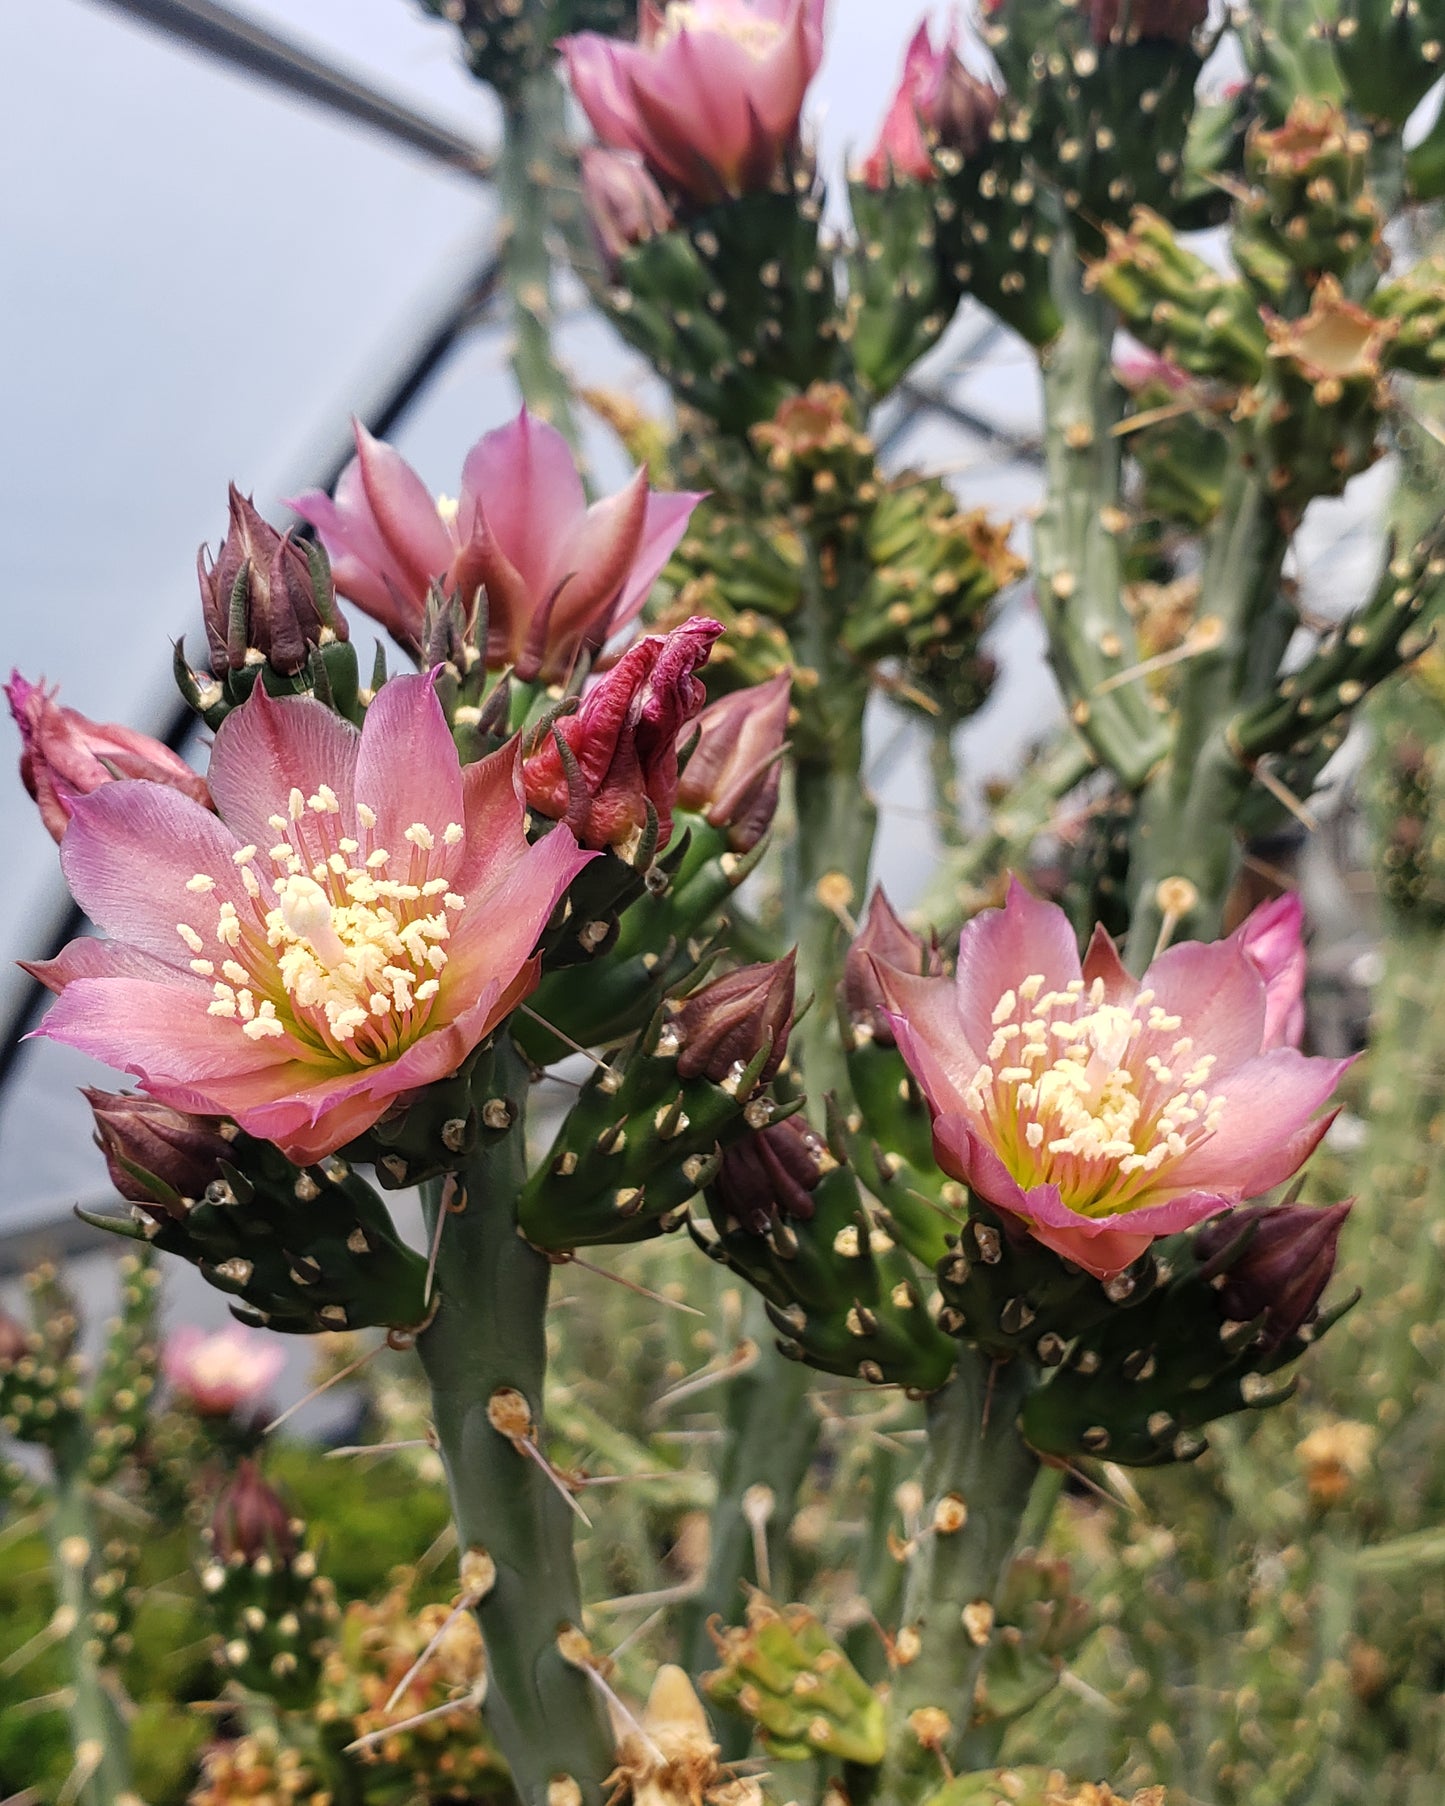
1101	960
668	513
927	1022
128	854
1265	1133
1218	993
272	745
522	482
406	764
92	958
999	948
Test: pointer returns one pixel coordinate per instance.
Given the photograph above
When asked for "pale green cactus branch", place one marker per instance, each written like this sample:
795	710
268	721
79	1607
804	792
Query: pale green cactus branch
485	1359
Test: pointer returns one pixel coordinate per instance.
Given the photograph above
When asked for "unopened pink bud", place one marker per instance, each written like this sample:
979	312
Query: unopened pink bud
733	774
724	1026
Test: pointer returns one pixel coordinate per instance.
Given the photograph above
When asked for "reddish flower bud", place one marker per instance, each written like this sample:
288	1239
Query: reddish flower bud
770	1174
937	103
618	753
733	773
1283	1268
722	1028
624	204
883	938
250	1521
276	610
137	1135
1129	21
65	755
14	1342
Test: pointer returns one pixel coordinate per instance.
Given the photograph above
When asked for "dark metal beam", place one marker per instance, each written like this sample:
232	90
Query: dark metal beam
244	43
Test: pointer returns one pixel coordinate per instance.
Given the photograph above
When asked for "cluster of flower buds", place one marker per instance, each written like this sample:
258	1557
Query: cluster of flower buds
1308	210
375	1648
270	1609
1039	1622
258	1767
303	1249
784	1673
648	1129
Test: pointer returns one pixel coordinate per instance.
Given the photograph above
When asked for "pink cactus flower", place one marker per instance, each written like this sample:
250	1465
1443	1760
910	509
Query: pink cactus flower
65	756
936	96
1271	937
625	205
359	918
622	743
710	95
1095	1109
561	578
219	1374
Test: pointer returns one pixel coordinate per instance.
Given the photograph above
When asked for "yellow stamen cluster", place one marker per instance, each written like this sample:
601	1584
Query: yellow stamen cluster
1094	1097
343	944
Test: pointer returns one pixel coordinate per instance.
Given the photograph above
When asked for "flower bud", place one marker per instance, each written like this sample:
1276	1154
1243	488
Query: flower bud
217	1375
733	773
250	1521
65	755
143	1140
259	596
14	1342
769	1174
623	202
724	1026
1281	1271
883	938
599	769
937	103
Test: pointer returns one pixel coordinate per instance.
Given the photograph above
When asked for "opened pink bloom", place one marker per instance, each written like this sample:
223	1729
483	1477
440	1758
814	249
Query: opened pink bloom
218	1374
1097	1109
710	95
359	917
65	755
561	578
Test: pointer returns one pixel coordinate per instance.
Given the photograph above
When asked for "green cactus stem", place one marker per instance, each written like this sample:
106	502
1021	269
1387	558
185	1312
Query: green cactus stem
485	1360
531	170
977	1480
102	1752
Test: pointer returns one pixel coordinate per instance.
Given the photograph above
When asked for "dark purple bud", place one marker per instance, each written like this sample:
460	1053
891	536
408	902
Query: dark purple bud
883	937
250	1521
722	1028
733	773
143	1141
770	1174
1130	21
259	596
1281	1271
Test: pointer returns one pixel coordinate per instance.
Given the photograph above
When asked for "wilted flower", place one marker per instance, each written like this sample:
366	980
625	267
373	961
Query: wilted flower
886	939
624	204
359	919
220	1373
139	1136
723	1027
560	577
1283	1267
280	616
710	95
250	1521
1271	936
621	745
733	773
1096	1109
937	102
770	1173
65	756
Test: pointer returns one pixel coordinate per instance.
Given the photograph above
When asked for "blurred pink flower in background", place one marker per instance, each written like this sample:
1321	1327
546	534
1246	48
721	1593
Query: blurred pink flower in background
223	1372
1099	1110
65	755
561	577
936	98
710	95
362	914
